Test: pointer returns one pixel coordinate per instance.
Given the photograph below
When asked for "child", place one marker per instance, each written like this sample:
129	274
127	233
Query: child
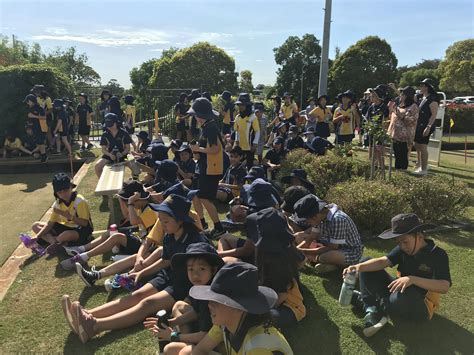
166	175
292	195
423	275
62	127
275	156
70	221
346	118
175	144
70	115
298	177
37	118
263	122
143	144
133	201
247	129
190	319
234	177
84	120
14	146
282	130
322	115
104	103
130	113
294	141
309	134
318	145
30	142
158	293
277	264
227	112
288	109
239	311
337	232
186	164
180	110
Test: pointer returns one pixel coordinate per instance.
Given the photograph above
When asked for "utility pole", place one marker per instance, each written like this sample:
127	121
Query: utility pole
301	92
323	72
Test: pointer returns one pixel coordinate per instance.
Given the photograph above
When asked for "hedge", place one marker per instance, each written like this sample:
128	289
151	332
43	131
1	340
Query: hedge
463	119
16	82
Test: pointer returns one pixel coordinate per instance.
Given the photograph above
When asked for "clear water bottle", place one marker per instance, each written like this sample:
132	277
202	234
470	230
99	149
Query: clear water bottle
347	289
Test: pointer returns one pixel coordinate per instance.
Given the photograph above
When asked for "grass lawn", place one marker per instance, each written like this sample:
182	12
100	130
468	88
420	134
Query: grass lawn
31	319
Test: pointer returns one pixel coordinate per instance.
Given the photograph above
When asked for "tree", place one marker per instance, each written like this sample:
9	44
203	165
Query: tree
114	87
299	59
19	52
431	64
457	68
413	77
202	66
245	84
365	64
74	65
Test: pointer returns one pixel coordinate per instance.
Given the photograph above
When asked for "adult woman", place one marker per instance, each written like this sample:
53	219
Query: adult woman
425	125
402	126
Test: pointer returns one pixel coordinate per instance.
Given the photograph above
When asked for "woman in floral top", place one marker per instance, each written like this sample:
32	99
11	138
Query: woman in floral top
403	119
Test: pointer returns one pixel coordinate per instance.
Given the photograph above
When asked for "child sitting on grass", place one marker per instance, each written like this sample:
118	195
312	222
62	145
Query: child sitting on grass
190	319
159	293
234	177
186	164
423	275
70	221
13	146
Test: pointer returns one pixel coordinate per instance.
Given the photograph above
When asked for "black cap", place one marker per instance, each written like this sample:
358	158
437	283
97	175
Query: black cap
309	206
202	108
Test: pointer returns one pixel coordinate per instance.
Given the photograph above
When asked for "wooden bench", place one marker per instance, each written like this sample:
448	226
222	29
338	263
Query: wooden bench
110	182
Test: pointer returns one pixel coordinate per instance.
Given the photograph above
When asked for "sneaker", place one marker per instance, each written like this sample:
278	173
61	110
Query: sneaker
109	285
90	146
356	300
215	234
84	323
324	268
70	263
89	277
373	322
83	148
54	249
71	251
66	306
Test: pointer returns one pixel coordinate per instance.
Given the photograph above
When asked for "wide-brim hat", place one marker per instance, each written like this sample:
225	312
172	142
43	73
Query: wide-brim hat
292	195
176	206
301	175
236	285
309	206
201	250
130	187
30	97
281	125
58	103
321	96
260	194
255	172
226	95
428	82
405	223
244	99
202	108
408	91
309	130
379	91
184	147
348	93
142	134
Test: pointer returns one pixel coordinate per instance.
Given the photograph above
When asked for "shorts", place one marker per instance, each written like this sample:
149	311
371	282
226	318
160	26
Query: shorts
39	137
133	243
247	259
207	185
322	129
419	138
63	134
111	161
84	130
181	126
85	233
229	193
163	282
352	256
344	138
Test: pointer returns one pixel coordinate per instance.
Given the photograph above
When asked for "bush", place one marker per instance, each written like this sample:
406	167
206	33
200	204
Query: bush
324	171
372	203
16	82
463	119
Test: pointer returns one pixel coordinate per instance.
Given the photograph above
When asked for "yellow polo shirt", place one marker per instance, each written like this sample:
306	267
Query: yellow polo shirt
320	113
157	233
244	127
78	207
288	110
345	127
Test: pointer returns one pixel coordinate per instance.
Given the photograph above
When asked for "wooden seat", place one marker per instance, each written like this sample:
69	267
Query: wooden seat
110	182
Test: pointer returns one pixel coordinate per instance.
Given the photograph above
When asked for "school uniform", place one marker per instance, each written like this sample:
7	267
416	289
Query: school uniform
134	235
290	311
181	109
29	142
83	112
228	117
115	144
204	320
164	278
345	129
377	114
263	123
323	117
293	143
415	303
39	127
157	233
62	116
211	166
78	207
234	175
247	130
188	167
275	157
287	111
130	114
12	145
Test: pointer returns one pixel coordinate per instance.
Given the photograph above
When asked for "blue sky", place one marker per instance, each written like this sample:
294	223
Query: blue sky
118	35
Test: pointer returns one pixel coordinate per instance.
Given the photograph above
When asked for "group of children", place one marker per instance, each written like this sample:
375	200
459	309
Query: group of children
222	292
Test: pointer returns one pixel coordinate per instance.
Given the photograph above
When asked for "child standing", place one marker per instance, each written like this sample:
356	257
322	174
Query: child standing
263	123
227	112
130	113
180	110
84	121
37	117
346	118
62	127
247	129
70	221
322	115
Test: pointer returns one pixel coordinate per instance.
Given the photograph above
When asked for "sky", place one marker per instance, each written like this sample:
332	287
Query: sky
119	35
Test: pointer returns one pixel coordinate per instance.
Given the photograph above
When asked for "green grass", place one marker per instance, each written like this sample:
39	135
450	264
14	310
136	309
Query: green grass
31	319
458	138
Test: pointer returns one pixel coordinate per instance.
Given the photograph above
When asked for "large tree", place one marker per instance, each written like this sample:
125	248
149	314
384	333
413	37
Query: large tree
365	64
413	77
245	84
457	68
298	59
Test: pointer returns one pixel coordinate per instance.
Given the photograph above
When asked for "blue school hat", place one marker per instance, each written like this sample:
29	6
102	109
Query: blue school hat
268	229
158	151
279	140
30	97
318	145
202	108
167	169
110	119
58	103
176	206
177	189
143	135
255	172
129	99
61	182
259	194
309	206
201	250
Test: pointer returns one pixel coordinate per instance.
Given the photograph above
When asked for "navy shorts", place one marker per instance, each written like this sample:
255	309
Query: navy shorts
133	244
163	282
84	233
207	185
181	126
84	130
40	137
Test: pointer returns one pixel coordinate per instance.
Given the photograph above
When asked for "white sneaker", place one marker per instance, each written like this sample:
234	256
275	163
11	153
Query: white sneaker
71	251
423	172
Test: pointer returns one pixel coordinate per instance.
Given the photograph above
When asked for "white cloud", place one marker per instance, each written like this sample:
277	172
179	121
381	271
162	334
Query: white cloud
259	60
232	50
56	31
156	50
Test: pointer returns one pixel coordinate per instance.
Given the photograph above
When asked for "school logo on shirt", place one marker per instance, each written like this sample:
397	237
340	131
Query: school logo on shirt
424	268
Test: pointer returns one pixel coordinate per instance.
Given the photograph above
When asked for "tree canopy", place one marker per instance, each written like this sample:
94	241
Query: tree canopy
245	84
457	68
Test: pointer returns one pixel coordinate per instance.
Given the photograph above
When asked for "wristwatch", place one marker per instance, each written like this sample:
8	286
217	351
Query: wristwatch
174	336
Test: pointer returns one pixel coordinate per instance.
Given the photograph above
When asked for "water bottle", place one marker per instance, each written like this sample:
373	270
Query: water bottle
32	244
112	230
162	322
347	289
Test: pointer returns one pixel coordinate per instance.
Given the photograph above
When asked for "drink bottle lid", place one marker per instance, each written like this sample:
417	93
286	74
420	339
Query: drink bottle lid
113	227
161	313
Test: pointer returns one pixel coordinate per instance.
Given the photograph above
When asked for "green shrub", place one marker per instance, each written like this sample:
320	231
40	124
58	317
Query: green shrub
324	171
463	120
369	203
16	82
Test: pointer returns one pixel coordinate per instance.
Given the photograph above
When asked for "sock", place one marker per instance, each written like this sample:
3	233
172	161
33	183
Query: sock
81	249
218	226
203	221
99	275
84	256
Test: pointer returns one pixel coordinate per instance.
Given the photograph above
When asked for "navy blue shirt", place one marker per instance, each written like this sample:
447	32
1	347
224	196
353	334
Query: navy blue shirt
293	143
118	142
64	118
82	111
172	246
431	262
235	175
38	111
204	321
188	167
275	157
210	134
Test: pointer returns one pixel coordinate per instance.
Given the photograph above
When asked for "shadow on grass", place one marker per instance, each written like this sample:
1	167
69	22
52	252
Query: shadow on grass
459	238
74	346
316	320
32	182
421	337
